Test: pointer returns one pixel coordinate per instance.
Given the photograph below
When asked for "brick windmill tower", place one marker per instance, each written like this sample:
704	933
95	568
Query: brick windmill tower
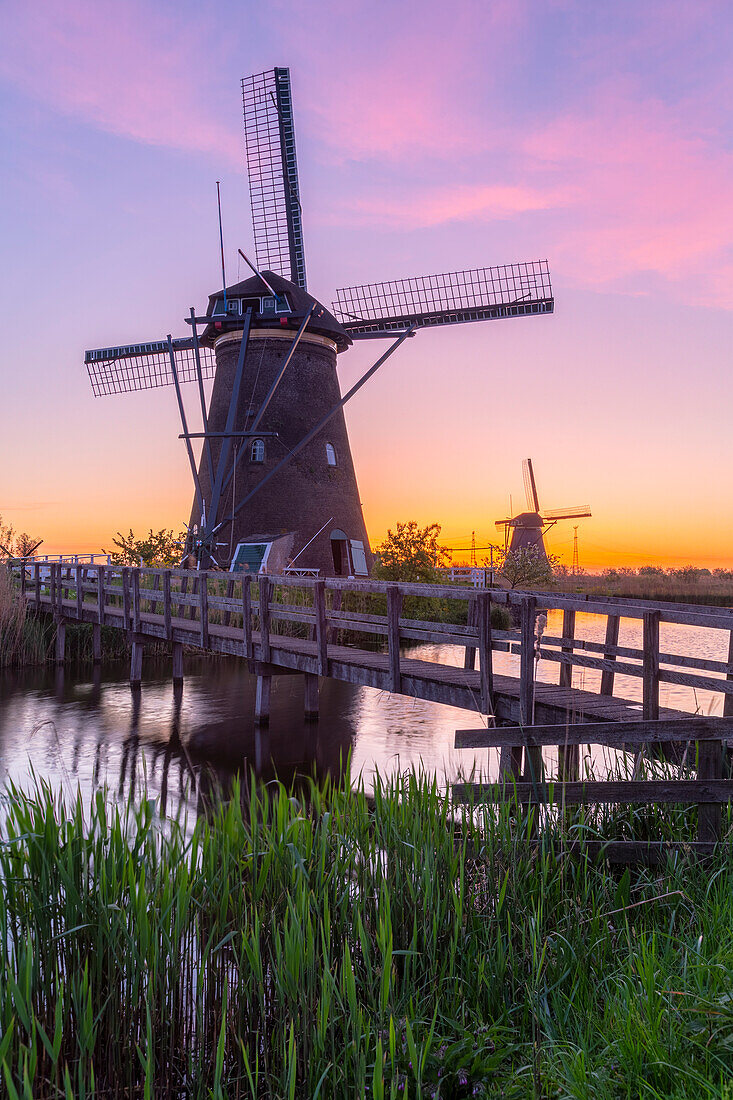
274	484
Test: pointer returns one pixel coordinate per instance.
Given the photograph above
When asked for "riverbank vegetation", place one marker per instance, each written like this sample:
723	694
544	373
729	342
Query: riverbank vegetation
688	584
327	945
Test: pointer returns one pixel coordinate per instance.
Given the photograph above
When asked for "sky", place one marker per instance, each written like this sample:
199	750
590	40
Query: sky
429	139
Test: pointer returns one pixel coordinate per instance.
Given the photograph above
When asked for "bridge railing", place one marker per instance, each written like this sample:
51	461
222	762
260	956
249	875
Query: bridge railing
367	607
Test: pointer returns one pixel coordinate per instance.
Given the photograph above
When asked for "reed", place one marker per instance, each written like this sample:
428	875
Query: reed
334	945
24	639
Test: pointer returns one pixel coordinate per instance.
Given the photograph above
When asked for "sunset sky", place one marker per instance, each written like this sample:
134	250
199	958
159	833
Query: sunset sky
430	137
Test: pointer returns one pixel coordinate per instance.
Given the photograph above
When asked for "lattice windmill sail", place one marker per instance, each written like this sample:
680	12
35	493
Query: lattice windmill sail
274	485
529	528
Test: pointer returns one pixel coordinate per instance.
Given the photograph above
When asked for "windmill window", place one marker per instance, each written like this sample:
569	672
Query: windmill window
257	451
331	455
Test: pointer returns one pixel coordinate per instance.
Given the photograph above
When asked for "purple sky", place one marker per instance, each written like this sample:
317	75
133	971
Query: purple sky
430	138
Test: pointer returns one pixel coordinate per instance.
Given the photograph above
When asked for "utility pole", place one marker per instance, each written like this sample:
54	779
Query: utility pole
576	564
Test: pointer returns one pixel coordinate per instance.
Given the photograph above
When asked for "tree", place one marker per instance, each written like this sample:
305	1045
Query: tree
157	548
19	545
527	567
412	554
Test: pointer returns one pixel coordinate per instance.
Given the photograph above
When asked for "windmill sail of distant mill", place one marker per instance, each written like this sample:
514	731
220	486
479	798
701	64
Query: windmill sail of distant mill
274	484
528	529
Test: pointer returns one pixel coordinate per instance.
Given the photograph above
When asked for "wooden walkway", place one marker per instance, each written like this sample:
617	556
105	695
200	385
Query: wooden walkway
286	625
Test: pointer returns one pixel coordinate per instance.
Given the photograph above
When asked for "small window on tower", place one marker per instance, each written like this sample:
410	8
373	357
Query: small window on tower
331	454
257	451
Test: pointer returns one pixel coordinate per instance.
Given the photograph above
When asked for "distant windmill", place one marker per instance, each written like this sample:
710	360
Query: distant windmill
275	485
529	528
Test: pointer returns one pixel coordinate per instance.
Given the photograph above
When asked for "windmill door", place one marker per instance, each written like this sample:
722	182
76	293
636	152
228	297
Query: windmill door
340	552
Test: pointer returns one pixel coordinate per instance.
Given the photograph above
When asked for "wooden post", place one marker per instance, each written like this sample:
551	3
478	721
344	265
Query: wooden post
37	570
52	587
247	614
195	592
472	618
709	766
126	598
230	595
311	696
728	709
136	660
262	699
100	595
156	588
79	593
319	606
181	612
96	643
394	606
336	603
568	756
177	653
264	601
650	669
607	677
136	600
532	756
167	608
484	653
204	609
22	580
60	641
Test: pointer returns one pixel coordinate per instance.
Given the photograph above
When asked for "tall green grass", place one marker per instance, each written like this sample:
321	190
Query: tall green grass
24	638
331	945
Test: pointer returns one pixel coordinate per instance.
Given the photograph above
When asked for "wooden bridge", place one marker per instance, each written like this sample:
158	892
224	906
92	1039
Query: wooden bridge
329	627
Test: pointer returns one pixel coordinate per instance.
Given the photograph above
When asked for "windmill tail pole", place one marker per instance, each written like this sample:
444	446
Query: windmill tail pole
221	246
321	423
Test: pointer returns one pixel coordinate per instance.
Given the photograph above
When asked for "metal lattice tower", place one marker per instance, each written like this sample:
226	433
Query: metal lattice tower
576	564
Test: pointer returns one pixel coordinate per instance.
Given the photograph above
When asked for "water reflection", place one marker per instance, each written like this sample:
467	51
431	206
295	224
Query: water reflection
83	727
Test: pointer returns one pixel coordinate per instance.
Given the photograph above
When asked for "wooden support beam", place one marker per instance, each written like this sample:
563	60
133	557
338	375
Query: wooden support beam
709	767
167	606
79	593
321	626
60	641
533	766
613	734
230	595
177	655
336	602
568	756
204	608
37	580
100	595
486	670
311	696
136	609
262	699
126	598
588	793
136	659
247	615
394	606
264	602
607	676
96	643
469	659
650	665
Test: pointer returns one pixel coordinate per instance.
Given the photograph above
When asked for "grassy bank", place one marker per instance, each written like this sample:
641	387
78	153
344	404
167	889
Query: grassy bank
677	586
331	947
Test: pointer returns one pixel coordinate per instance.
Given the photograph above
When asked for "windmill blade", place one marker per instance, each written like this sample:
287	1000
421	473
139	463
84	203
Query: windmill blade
482	294
134	367
577	512
503	522
272	168
530	486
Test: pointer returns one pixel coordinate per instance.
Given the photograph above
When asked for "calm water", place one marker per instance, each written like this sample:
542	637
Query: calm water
84	727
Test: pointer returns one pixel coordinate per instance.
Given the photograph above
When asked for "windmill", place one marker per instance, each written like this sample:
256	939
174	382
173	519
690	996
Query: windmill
275	486
528	529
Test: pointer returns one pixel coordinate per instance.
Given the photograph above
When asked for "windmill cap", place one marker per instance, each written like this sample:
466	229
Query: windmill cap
322	322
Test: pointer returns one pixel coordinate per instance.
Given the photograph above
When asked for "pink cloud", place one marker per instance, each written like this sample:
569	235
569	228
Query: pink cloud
459	203
124	67
650	197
